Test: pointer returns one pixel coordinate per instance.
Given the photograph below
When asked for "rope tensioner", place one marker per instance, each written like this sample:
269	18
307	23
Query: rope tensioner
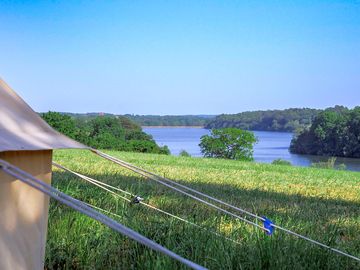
268	224
137	199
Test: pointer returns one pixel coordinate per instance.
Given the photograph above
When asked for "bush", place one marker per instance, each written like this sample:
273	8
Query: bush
341	167
183	153
164	150
280	161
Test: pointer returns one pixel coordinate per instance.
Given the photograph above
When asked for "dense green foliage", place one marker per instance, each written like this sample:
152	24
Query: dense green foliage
275	120
170	120
228	143
321	204
62	123
105	132
152	120
334	132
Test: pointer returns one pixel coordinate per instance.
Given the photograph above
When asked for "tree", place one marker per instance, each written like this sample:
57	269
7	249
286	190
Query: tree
105	132
334	132
61	122
228	143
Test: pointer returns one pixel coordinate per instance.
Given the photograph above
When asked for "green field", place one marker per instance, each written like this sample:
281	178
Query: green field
319	203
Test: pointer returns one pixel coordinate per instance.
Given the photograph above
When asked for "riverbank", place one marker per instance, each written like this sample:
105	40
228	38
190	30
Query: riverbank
172	126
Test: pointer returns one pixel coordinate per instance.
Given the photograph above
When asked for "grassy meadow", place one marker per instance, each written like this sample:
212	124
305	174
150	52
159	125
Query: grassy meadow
319	203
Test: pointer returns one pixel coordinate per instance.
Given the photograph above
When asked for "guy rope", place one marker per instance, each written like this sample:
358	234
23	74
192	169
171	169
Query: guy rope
86	210
134	199
268	225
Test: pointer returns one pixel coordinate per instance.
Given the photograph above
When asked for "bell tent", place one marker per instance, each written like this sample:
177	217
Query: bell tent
26	141
26	144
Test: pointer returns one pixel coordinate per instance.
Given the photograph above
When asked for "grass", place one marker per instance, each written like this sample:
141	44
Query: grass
319	203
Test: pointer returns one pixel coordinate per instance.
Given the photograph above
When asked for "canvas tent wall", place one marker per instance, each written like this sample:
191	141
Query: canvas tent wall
26	141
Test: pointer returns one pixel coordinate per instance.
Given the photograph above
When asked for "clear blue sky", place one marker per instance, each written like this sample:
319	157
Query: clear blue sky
181	57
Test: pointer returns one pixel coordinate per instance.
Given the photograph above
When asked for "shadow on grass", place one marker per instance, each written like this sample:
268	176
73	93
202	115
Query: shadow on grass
331	221
256	200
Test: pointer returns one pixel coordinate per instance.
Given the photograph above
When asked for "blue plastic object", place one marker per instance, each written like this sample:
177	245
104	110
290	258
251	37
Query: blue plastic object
268	224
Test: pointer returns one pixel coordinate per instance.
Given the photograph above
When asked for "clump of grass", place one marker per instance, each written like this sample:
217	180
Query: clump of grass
321	204
280	161
329	164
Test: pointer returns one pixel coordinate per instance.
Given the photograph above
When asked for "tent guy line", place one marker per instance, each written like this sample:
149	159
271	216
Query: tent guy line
104	186
133	168
159	179
86	210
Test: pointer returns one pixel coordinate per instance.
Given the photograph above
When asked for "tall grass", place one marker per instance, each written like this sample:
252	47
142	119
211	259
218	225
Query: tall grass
322	204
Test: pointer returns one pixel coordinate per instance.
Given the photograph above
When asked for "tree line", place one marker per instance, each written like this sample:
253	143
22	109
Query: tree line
105	132
152	120
170	120
288	120
334	132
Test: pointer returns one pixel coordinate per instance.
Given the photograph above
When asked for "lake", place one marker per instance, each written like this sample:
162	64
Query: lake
271	145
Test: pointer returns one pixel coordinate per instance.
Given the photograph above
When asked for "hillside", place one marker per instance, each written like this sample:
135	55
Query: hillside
271	120
322	204
171	120
152	120
287	120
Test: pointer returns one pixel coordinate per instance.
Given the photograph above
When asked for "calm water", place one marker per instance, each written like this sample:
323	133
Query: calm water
271	145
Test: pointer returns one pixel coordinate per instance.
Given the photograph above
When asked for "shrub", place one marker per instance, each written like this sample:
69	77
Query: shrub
280	161
341	167
164	150
183	153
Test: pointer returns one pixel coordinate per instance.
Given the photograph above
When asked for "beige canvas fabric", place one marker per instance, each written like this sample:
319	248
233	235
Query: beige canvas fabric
26	141
23	129
24	212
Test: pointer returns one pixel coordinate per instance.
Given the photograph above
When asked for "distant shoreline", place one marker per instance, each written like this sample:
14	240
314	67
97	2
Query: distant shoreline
172	126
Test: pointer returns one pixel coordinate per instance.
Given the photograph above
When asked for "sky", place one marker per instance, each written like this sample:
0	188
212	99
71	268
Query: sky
181	57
